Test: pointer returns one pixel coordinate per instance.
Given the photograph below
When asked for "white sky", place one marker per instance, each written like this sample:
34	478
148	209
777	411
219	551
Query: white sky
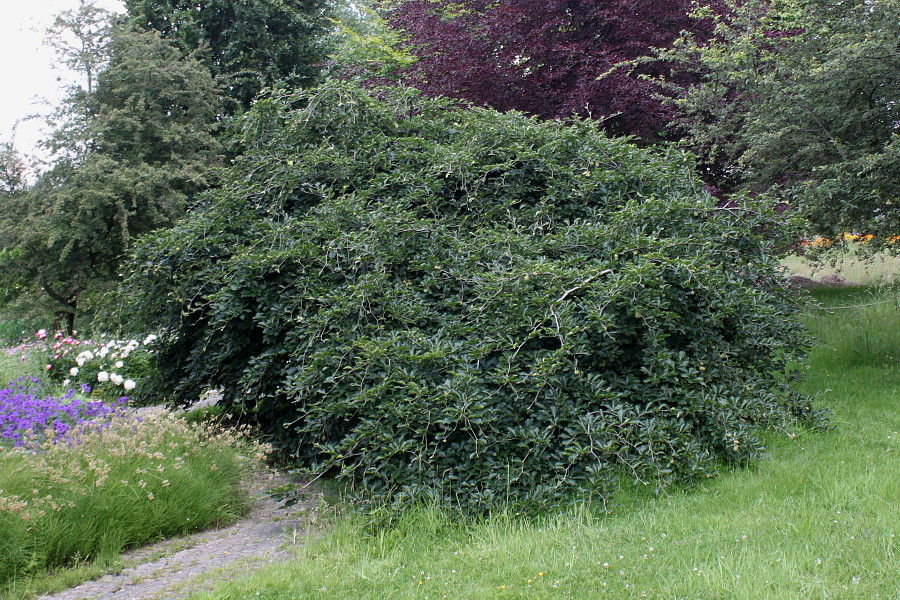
29	81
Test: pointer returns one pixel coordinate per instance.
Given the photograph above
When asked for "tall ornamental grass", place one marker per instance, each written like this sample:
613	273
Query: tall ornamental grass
857	327
105	485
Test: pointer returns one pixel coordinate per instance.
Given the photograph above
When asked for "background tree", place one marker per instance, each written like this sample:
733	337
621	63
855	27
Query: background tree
364	47
80	38
150	149
550	58
12	186
12	170
247	44
802	97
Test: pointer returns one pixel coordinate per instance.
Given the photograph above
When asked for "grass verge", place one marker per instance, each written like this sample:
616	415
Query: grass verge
819	519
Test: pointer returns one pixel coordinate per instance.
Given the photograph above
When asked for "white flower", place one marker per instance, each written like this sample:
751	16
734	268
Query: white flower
66	382
116	378
84	357
149	339
104	351
128	384
73	371
119	364
102	376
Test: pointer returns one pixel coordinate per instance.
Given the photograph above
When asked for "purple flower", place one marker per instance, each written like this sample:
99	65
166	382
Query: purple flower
24	412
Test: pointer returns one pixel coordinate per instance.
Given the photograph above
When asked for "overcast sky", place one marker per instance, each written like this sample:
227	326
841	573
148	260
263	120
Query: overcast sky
27	73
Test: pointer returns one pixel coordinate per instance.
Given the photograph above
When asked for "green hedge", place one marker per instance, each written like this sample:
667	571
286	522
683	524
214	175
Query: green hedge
430	302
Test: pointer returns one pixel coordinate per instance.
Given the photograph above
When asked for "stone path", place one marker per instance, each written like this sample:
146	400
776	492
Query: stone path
174	569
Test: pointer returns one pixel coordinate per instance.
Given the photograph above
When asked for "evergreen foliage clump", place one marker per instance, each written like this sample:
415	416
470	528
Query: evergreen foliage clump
430	302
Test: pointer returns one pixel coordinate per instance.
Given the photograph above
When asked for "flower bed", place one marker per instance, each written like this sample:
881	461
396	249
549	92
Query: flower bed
104	367
83	480
27	414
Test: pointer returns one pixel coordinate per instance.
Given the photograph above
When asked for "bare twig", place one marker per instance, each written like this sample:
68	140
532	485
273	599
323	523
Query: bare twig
582	284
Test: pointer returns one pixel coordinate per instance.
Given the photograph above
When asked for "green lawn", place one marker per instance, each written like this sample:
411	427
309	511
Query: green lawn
818	520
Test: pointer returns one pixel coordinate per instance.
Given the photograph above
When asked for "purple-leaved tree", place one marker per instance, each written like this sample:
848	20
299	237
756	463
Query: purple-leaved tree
550	58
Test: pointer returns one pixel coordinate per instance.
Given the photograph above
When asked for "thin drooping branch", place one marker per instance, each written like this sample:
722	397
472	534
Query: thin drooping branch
583	284
67	302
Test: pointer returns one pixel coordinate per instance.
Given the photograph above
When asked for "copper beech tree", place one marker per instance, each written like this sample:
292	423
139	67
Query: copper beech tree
549	58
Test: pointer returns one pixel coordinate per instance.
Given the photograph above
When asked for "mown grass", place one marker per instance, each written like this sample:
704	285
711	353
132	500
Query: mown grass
819	519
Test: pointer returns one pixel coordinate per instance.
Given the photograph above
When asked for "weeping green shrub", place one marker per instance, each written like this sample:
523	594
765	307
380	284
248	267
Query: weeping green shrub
429	302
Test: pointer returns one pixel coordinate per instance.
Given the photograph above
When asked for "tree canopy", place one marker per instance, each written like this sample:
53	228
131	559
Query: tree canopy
247	44
12	170
80	37
549	58
800	97
148	149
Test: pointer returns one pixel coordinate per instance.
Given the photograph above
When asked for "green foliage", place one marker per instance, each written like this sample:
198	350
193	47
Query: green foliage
429	302
14	329
365	47
80	39
12	187
246	45
138	160
12	171
802	95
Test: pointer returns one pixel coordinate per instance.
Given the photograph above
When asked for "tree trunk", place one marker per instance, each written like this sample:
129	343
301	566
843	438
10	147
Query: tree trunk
68	313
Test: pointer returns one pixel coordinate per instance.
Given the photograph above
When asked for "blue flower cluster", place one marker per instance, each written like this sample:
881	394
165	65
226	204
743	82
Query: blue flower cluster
24	412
